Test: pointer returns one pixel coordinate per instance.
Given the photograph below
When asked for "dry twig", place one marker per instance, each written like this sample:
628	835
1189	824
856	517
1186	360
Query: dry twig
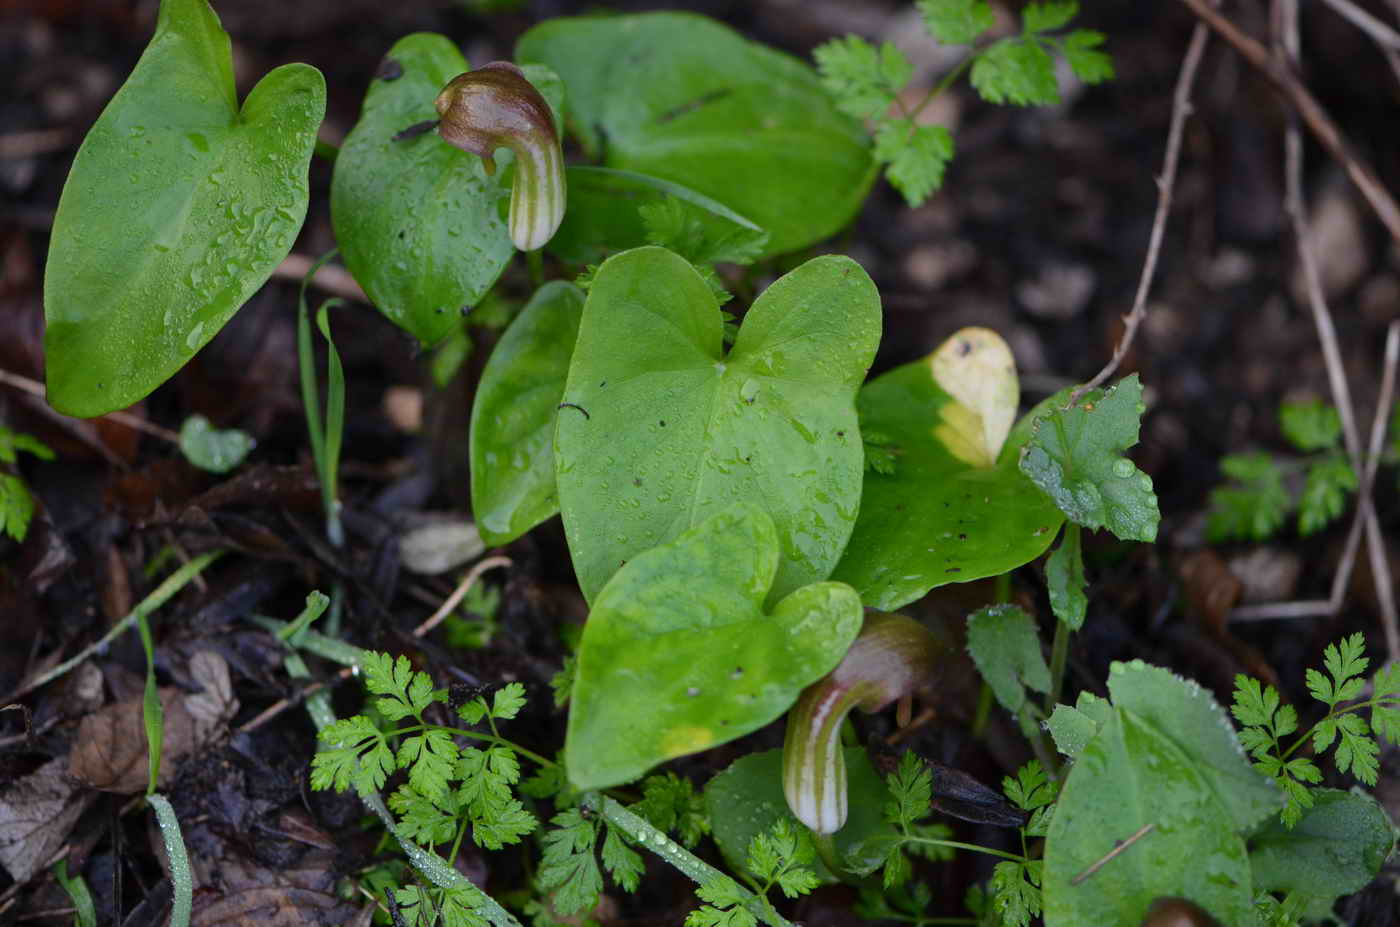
1314	116
1285	27
1166	181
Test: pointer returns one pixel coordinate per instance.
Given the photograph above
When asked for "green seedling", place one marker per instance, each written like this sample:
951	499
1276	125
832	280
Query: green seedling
870	83
16	501
1255	503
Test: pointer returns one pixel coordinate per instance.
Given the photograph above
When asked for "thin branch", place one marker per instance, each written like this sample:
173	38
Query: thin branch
1382	34
1112	854
1166	181
458	594
1364	463
1314	116
35	388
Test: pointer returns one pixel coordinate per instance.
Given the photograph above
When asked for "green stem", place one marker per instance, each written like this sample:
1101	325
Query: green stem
162	594
826	849
477	735
984	711
326	151
947	81
1059	655
535	262
694	868
956	845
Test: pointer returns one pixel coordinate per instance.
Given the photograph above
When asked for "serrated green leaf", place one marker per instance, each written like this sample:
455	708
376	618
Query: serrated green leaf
16	506
1357	751
1346	659
674	224
422	820
1016	71
1312	425
1005	645
507	701
1329	482
356	755
1031	789
623	863
911	791
1047	16
429	758
1254	508
403	691
12	442
179	206
915	157
863	79
672	805
569	868
957	22
642	698
1075	456
1086	60
1012	898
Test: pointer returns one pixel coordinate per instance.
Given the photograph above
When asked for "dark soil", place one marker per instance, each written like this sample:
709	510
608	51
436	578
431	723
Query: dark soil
1039	233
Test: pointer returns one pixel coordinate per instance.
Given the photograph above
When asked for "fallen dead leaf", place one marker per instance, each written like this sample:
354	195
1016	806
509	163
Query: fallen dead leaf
110	753
36	814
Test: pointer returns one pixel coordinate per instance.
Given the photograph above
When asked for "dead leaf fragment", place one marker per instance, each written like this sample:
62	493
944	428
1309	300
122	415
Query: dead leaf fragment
110	752
36	814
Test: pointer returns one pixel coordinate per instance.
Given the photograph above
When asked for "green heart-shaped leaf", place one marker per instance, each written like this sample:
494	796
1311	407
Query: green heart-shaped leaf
934	518
1127	777
604	213
178	208
512	428
678	654
660	429
681	97
419	222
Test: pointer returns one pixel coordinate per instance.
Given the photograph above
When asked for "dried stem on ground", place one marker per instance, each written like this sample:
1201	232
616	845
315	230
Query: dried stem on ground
1314	116
1286	48
1166	182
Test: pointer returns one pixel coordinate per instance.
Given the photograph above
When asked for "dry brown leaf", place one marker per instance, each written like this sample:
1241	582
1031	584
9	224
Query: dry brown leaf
110	753
274	906
36	814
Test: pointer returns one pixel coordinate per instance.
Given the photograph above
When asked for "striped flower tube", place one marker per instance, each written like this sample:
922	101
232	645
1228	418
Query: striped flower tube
495	106
894	656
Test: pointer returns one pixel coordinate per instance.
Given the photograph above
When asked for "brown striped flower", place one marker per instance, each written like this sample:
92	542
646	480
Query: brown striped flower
495	106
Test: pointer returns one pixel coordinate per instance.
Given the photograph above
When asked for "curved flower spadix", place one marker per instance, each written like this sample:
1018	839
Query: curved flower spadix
894	656
495	106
